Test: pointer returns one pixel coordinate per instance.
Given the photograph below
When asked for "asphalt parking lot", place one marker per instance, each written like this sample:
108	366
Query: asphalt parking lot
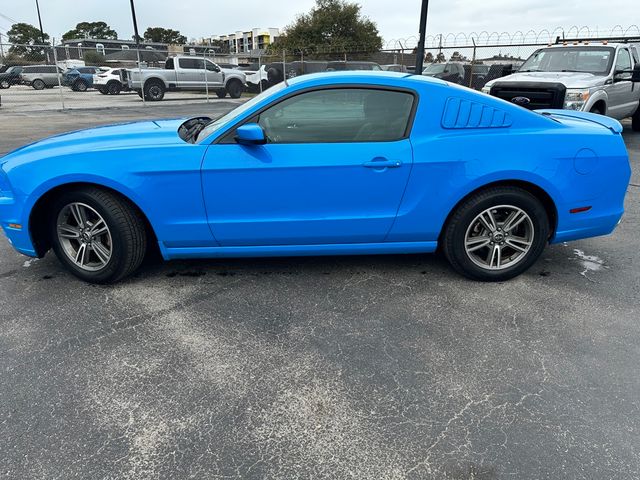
22	98
385	367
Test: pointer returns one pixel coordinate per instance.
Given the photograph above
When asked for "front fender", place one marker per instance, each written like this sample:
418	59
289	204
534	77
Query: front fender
599	96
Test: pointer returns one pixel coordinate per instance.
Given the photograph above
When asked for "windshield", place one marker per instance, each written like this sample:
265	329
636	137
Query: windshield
236	113
434	69
596	60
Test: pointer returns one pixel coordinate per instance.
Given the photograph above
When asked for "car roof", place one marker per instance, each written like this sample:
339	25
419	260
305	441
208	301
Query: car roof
362	76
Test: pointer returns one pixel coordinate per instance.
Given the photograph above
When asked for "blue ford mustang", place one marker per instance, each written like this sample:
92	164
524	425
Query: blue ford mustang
333	163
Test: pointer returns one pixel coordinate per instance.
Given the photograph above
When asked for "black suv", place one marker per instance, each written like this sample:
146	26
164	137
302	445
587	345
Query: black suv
11	76
451	72
351	65
294	69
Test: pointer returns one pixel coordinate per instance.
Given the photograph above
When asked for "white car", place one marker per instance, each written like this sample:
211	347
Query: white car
107	81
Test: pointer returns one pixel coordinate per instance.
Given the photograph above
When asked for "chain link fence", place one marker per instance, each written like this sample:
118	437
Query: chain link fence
91	76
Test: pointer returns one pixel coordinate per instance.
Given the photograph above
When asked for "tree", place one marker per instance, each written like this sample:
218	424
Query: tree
93	58
22	35
91	30
164	35
333	24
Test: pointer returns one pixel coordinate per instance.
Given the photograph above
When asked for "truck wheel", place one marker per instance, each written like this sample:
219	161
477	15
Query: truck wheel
235	88
635	122
154	91
38	84
113	88
596	110
221	93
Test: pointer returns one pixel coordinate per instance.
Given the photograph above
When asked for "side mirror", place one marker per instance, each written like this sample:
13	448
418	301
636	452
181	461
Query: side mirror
250	134
622	75
635	76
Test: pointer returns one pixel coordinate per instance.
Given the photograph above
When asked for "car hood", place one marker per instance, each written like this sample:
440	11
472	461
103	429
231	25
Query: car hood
568	79
112	137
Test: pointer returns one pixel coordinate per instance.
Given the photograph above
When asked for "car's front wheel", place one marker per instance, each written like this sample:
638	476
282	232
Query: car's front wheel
235	88
97	235
496	234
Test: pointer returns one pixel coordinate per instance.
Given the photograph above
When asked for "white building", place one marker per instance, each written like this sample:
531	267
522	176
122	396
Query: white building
249	41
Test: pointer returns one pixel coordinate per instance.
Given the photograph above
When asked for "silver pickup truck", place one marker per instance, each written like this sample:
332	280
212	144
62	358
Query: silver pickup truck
185	73
590	77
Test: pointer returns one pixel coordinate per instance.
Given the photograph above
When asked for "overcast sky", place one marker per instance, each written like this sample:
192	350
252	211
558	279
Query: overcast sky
395	18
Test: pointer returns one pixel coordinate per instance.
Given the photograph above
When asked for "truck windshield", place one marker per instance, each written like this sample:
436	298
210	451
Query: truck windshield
596	60
236	113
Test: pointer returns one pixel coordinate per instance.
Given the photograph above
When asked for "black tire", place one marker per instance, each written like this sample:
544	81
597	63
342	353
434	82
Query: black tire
221	93
38	84
635	121
455	232
4	84
596	110
114	88
103	91
235	88
80	86
127	229
154	91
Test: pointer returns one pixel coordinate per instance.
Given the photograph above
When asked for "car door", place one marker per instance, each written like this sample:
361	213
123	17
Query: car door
622	101
334	170
190	75
213	75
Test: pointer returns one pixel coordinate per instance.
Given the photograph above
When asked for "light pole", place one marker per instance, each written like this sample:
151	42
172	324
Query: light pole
423	35
137	36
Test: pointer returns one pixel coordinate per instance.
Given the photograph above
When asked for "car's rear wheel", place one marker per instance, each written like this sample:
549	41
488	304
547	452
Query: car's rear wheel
103	91
221	93
5	84
113	88
38	84
154	91
496	234
80	86
635	122
96	235
235	88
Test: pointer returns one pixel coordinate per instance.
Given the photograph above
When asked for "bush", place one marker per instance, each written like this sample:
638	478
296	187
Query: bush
93	58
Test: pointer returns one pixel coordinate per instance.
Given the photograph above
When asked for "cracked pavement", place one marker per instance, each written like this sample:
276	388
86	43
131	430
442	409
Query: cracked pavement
388	367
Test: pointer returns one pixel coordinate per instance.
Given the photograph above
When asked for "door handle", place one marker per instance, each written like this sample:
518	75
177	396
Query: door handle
382	163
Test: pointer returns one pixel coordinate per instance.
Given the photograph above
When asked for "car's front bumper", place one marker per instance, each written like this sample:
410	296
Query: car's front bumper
16	228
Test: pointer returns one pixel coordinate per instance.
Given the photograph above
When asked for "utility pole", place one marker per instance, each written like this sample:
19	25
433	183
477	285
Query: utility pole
423	37
40	22
1	48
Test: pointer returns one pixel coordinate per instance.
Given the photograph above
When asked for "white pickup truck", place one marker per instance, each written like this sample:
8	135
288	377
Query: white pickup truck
592	77
185	73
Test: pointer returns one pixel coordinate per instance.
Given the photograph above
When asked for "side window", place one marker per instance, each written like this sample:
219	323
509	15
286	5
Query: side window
191	63
636	54
169	65
344	115
624	60
211	67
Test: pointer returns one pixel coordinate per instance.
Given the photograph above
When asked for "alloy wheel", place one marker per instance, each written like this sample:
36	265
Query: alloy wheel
499	237
84	236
